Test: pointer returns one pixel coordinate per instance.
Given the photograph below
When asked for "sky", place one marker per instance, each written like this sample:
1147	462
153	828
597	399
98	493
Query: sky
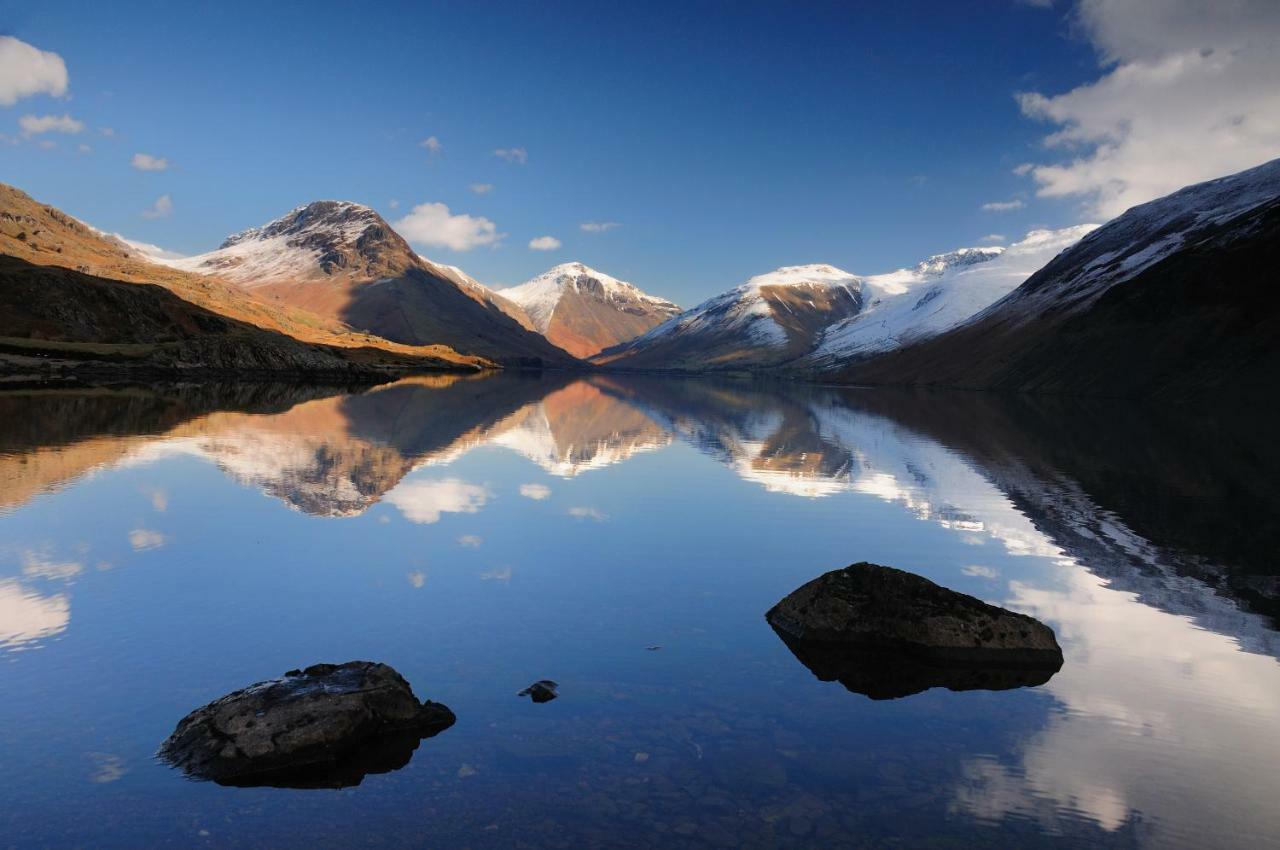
681	146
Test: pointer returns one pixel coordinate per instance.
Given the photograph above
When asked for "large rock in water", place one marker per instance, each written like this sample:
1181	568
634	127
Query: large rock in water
323	727
888	633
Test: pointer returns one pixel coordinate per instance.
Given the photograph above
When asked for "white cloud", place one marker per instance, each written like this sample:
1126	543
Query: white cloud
143	539
471	541
424	502
588	513
1191	91
84	149
432	224
27	70
417	578
597	226
147	162
481	188
544	243
162	208
26	616
537	492
394	203
107	131
519	156
431	144
1002	206
992	237
34	125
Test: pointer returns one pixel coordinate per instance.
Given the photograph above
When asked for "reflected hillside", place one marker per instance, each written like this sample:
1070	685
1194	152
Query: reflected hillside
1119	490
1123	491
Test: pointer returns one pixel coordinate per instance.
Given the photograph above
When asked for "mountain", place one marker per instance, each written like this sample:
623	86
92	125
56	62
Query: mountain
76	298
1173	298
343	262
585	311
937	294
769	320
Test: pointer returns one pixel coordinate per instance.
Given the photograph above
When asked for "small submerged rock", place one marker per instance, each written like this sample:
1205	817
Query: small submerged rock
543	690
888	633
327	726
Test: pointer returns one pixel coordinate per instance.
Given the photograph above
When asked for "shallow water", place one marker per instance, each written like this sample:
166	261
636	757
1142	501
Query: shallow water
161	547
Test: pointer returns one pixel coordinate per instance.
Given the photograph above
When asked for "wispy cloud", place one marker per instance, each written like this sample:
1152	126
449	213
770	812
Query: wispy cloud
147	162
481	188
1003	206
597	226
432	224
471	541
537	492
992	237
431	144
979	571
34	125
520	156
544	243
593	514
162	208
26	70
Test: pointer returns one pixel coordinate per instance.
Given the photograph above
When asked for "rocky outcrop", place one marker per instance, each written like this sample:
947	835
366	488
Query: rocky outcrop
867	624
326	726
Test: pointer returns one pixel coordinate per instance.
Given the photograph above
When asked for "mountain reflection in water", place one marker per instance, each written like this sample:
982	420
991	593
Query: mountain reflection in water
1156	531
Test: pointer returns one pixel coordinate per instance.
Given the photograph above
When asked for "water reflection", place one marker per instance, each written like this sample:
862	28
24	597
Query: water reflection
1156	532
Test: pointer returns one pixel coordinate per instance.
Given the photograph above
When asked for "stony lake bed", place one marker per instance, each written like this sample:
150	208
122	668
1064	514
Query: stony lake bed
623	538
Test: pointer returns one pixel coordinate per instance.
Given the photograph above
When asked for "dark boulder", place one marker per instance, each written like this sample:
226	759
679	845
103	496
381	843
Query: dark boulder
544	690
326	726
888	633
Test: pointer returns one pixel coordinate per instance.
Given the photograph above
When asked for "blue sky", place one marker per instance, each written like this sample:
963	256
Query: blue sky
724	139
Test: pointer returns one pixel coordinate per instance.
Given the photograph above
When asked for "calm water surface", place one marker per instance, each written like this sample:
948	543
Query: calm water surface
161	547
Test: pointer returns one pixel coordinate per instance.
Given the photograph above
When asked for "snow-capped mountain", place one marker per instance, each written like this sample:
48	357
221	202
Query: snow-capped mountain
937	294
1173	297
342	261
585	311
770	319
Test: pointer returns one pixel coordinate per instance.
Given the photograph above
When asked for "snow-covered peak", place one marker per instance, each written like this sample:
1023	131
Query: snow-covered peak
940	263
313	241
539	296
937	294
816	274
342	219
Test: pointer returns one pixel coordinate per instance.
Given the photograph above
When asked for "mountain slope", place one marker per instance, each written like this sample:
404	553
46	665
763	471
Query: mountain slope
52	317
52	249
1175	297
935	295
770	319
585	311
343	262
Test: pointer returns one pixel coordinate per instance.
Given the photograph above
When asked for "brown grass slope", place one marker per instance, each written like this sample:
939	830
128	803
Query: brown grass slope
53	315
44	236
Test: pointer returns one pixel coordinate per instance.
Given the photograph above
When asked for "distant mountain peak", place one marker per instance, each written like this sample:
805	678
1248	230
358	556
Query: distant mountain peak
941	263
584	310
342	219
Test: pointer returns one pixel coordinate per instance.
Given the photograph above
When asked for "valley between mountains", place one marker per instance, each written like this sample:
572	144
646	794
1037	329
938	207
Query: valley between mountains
1173	298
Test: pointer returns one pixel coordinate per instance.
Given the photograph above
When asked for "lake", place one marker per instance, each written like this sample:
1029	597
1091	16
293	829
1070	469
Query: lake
162	546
